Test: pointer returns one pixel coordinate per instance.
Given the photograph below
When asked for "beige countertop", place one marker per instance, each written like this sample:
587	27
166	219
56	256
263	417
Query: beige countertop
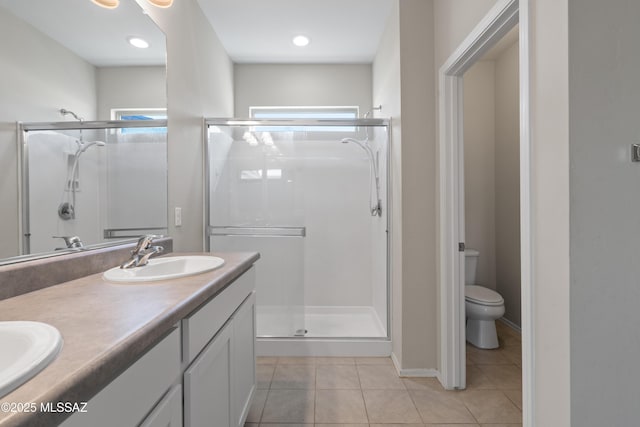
106	327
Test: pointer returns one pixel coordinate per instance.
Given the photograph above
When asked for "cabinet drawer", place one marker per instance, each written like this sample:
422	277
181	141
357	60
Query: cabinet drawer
203	324
128	398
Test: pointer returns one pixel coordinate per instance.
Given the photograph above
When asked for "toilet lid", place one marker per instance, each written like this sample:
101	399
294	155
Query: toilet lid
482	295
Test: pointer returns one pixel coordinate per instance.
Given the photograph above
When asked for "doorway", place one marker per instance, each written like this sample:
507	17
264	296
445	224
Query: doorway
502	18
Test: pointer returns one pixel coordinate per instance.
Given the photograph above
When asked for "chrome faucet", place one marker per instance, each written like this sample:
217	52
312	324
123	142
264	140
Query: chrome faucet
72	242
142	252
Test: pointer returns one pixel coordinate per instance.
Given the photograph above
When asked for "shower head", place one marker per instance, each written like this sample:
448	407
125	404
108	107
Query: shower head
66	112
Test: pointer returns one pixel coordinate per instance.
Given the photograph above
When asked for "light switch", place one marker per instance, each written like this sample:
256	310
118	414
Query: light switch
178	217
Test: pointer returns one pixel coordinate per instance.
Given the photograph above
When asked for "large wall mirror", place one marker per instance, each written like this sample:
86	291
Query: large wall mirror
70	173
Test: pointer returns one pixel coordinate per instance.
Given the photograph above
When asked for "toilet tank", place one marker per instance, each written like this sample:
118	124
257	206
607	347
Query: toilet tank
470	266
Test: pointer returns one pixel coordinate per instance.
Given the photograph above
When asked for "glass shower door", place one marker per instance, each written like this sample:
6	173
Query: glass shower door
253	188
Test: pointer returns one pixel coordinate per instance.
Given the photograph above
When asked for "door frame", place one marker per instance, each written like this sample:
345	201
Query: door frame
498	21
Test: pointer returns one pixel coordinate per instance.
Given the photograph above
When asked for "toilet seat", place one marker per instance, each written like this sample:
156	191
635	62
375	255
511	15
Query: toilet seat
482	296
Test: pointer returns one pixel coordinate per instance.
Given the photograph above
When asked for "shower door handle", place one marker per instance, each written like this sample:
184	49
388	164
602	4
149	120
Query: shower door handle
236	231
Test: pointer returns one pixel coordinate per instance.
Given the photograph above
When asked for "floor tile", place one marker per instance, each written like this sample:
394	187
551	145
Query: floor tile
374	361
285	425
379	377
396	425
421	383
441	407
515	396
503	377
289	406
486	357
491	406
476	379
501	425
255	411
296	360
251	424
513	354
452	425
335	361
266	360
340	406
337	377
294	377
348	425
390	406
264	374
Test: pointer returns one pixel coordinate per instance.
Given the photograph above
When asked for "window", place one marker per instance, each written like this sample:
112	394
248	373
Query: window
301	113
140	114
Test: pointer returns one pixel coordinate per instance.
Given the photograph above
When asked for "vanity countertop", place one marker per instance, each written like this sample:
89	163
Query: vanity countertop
106	327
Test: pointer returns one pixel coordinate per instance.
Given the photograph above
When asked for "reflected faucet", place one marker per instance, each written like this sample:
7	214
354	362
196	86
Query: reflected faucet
72	242
142	252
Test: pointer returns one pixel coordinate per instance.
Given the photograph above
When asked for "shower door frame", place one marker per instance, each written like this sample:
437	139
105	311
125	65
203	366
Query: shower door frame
23	128
386	123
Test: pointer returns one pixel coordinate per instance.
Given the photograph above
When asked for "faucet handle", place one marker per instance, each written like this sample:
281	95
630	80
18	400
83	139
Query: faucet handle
70	241
144	242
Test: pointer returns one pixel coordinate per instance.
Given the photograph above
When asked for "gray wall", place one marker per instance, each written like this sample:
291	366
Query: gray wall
130	87
301	85
480	168
39	76
492	174
604	59
507	182
199	84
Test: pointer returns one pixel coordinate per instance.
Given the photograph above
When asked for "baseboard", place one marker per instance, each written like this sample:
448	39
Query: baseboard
510	324
431	373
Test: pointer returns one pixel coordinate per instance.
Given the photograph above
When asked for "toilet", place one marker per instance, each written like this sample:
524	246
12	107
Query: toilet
482	306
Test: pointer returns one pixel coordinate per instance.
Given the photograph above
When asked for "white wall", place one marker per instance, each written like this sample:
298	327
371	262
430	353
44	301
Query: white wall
130	87
39	77
301	85
480	168
199	84
604	111
507	182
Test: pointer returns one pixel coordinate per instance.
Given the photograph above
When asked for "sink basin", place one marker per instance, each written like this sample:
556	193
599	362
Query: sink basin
27	348
164	268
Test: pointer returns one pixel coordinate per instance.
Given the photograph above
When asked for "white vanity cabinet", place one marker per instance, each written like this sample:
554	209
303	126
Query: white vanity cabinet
202	373
220	379
128	399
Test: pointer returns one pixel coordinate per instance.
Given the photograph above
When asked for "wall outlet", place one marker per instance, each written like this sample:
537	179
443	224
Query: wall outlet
178	217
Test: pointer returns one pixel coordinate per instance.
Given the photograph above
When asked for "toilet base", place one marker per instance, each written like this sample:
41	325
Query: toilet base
482	333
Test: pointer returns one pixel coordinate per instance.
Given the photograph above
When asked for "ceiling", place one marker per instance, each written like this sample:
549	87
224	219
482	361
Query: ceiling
251	31
261	31
96	34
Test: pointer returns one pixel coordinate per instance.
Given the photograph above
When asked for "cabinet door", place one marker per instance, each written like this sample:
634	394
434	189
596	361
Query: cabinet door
208	398
244	358
168	413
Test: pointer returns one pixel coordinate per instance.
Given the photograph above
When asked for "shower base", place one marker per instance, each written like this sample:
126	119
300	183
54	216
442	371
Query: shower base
330	331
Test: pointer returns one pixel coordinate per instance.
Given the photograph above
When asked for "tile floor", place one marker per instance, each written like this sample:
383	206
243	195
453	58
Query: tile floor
361	392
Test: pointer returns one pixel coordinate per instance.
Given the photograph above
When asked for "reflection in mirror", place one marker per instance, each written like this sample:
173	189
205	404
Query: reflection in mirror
82	62
112	181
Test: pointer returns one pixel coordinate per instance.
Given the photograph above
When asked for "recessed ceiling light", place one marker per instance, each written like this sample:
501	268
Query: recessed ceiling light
138	42
301	41
161	3
109	4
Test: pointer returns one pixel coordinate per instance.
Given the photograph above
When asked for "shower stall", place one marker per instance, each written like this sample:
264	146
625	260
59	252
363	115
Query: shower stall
312	197
98	180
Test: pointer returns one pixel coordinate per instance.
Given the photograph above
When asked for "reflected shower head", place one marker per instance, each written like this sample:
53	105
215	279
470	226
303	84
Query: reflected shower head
87	145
